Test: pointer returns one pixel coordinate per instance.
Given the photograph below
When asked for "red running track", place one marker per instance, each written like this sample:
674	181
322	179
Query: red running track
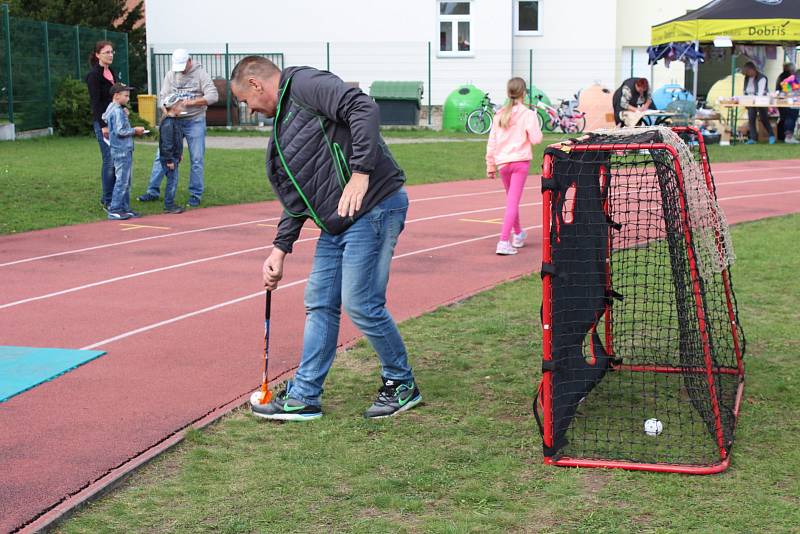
177	303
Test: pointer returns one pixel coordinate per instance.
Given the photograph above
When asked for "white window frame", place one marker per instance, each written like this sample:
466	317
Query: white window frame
454	19
527	33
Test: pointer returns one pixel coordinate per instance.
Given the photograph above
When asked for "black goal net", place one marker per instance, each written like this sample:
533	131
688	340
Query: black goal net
642	347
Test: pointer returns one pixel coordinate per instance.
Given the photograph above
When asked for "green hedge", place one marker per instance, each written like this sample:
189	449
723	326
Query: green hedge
72	113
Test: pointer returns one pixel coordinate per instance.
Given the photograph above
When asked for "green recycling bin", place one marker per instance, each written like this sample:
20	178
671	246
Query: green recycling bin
399	102
536	91
458	105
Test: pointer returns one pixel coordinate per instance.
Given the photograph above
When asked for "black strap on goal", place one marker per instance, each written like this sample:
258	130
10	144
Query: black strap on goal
579	241
552	450
548	184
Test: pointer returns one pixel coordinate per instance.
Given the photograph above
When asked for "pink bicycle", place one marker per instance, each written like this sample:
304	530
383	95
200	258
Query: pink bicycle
566	116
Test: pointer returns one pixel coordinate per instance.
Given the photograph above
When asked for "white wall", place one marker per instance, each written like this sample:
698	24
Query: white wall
636	17
588	41
575	49
582	41
634	21
369	39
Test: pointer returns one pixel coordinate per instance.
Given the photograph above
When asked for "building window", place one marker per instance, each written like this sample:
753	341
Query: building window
527	17
454	29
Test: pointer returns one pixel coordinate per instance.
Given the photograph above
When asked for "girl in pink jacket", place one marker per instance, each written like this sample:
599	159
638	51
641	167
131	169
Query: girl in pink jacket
514	129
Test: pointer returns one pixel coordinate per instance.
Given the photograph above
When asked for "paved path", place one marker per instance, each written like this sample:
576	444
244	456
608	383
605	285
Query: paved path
177	304
261	142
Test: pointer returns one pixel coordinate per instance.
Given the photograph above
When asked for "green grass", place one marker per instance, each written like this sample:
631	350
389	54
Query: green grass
220	131
469	459
424	133
742	152
55	181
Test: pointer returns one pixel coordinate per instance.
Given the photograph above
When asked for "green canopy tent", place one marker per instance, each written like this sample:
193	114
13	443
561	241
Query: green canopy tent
749	22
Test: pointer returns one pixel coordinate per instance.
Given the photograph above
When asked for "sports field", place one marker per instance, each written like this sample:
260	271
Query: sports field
469	460
186	351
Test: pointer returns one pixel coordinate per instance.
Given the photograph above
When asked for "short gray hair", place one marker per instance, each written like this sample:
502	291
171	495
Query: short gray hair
253	66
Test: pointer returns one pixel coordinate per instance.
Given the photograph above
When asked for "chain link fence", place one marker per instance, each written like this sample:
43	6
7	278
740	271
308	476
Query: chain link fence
555	73
36	56
218	65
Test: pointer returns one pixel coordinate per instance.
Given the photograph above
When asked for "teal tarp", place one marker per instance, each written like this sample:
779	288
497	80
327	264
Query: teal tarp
22	368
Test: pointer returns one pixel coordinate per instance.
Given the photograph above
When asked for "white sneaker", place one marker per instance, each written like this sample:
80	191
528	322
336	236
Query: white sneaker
792	141
504	248
518	240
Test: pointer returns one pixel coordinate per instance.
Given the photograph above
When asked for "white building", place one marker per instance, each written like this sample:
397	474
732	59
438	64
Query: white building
573	43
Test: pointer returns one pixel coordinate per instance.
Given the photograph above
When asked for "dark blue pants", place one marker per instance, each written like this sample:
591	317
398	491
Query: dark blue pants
107	177
787	122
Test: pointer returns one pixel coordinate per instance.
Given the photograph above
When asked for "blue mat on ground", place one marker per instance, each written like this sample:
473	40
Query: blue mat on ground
22	368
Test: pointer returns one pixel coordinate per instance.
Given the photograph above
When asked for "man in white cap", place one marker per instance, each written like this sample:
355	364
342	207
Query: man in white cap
192	86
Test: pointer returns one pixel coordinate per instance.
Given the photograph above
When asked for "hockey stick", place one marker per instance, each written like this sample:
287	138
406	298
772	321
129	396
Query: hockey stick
265	395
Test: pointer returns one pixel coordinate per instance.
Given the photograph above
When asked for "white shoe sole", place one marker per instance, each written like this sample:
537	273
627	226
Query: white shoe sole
405	408
287	416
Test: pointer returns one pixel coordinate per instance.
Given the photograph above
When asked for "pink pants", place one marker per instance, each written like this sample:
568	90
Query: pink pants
513	176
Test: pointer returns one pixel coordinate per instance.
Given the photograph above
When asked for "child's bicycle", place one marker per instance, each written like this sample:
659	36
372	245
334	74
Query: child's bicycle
566	116
479	121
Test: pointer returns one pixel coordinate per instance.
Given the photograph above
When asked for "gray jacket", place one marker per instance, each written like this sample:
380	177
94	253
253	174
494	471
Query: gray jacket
194	84
324	131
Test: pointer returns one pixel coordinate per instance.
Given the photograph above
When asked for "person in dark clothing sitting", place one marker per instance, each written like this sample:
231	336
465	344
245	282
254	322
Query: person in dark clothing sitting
170	149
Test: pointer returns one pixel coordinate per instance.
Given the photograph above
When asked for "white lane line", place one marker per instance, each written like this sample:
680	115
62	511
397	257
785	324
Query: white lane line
130	241
185	232
133	275
210	258
459	195
760	195
459	213
759	180
755	169
261	293
431	249
186	316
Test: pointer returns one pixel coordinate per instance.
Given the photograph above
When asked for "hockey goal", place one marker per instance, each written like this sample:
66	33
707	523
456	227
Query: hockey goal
642	347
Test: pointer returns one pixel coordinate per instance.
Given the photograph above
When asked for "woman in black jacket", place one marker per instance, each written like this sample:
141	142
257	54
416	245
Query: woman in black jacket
100	79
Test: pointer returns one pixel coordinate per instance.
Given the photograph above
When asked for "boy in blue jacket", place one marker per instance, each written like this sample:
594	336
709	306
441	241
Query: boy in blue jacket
120	140
170	149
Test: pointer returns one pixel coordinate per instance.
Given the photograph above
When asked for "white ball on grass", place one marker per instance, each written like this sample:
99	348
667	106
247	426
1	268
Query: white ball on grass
653	427
255	398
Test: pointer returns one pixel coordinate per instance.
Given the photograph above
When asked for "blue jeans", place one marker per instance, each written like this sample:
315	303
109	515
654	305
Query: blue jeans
352	270
123	165
171	186
194	130
107	167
